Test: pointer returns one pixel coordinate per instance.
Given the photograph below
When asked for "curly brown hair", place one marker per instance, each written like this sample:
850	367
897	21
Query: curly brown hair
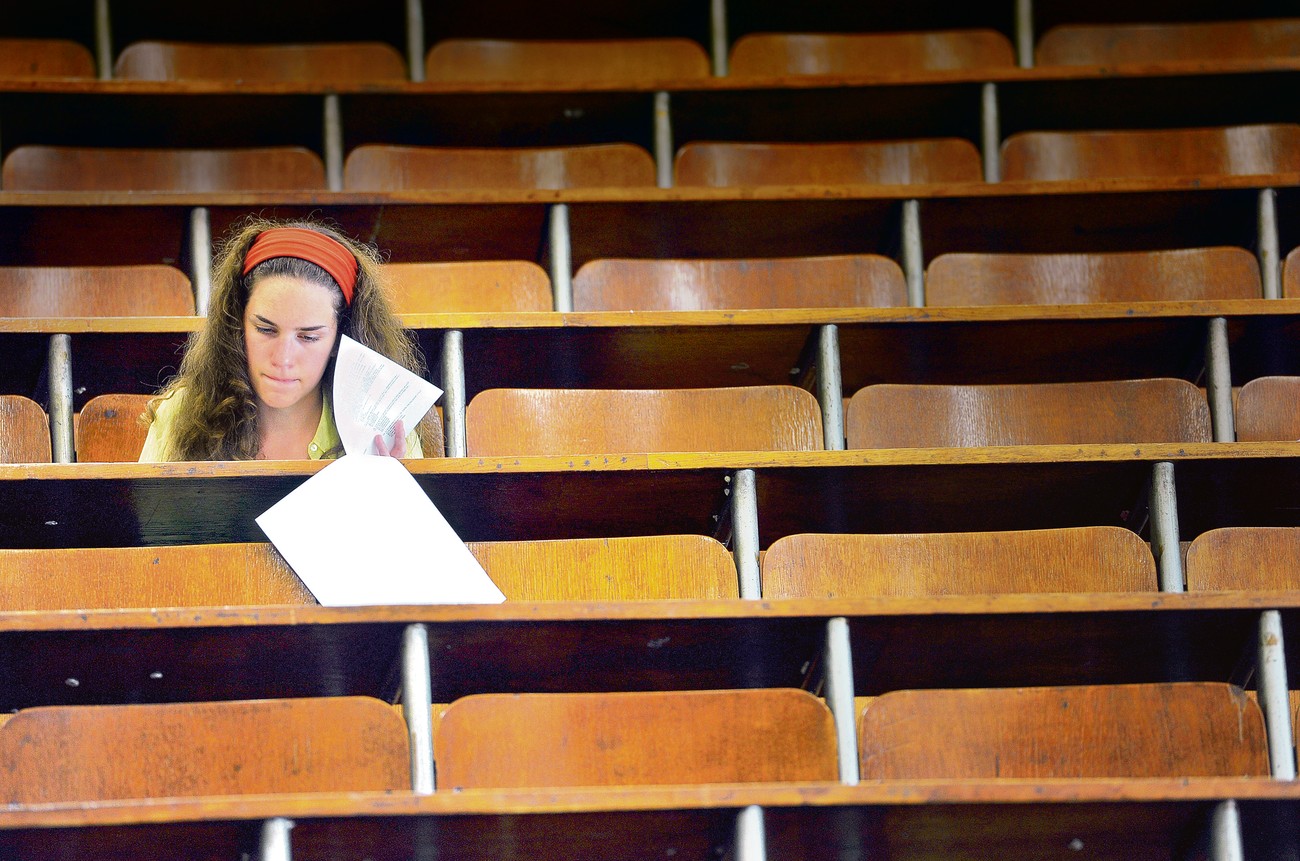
218	418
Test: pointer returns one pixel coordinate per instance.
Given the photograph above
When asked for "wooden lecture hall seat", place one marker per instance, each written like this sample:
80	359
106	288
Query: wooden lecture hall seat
375	167
1190	729
62	168
843	281
106	753
469	286
334	63
111	429
1182	275
781	55
24	431
1080	559
95	291
45	58
1183	42
1291	275
632	739
1199	152
590	61
1251	558
1268	409
1111	411
859	163
505	422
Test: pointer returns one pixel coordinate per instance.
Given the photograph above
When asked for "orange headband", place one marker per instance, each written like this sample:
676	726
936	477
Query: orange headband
303	244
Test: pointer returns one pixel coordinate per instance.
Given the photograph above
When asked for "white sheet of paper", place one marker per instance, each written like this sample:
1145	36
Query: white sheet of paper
371	392
362	532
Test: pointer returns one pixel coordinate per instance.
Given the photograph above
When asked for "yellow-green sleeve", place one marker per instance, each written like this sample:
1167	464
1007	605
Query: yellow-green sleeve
157	445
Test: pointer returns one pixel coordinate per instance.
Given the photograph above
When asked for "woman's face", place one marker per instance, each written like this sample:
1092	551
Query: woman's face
289	332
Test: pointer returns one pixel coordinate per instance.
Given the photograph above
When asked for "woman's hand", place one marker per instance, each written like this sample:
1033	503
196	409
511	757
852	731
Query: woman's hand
399	442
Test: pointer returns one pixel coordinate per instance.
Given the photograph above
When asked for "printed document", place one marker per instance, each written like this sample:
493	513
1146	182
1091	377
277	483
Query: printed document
371	393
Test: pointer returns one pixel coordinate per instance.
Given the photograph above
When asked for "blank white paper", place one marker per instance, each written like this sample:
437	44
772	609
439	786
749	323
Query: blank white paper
371	393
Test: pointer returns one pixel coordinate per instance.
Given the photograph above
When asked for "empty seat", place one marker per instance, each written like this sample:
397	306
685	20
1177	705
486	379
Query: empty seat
338	63
602	62
1060	279
111	429
45	58
848	281
471	286
57	168
1195	729
503	422
1085	559
1244	557
1120	411
102	753
873	163
95	291
850	54
1204	152
1291	275
1268	410
397	168
1183	42
631	739
24	431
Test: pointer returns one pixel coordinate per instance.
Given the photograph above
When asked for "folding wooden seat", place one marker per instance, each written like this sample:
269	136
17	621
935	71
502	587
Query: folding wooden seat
607	62
1268	409
470	286
779	55
104	753
1244	557
398	168
631	739
333	63
45	58
503	422
860	163
1083	559
1203	152
1291	275
1112	411
1059	279
24	431
95	291
60	168
1183	42
111	429
848	281
1192	729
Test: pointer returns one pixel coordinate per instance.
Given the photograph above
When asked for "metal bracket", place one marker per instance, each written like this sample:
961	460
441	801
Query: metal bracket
744	533
453	395
1275	697
1164	527
830	388
59	364
332	145
663	129
913	259
1270	258
990	133
103	41
1218	382
561	257
718	37
1025	33
1225	833
417	708
415	39
275	844
751	836
201	258
839	696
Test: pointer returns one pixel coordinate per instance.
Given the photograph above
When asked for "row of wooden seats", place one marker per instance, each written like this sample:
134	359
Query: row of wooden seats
1255	150
641	61
497	741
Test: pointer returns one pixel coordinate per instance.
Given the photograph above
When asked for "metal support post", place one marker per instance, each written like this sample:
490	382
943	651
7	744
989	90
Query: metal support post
744	533
453	392
1275	696
1218	380
830	388
839	697
415	39
60	373
990	133
561	258
201	258
663	122
1025	33
275	845
1270	260
1225	833
103	41
751	836
913	259
1164	527
718	37
332	145
417	707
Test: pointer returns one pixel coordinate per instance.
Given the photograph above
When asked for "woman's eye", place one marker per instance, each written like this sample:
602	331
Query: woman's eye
311	339
265	330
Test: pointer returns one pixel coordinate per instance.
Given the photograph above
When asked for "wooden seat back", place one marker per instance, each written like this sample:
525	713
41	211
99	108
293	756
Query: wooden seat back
503	422
632	739
1183	42
1192	729
1291	275
95	291
396	168
1112	411
1060	279
472	285
771	55
1268	409
60	168
719	165
104	753
847	281
45	58
1083	559
1244	558
1202	152
642	568
605	62
336	63
111	428
108	578
24	431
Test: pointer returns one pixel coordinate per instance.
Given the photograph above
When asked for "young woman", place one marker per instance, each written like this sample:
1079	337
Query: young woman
255	381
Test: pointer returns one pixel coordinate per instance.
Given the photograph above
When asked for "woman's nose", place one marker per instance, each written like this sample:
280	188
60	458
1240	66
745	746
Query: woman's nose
282	352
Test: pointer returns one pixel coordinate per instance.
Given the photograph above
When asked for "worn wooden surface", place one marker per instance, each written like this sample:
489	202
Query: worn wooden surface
849	54
1267	409
44	58
1244	557
65	168
885	163
1182	42
472	285
566	63
356	62
111	429
95	291
395	168
24	431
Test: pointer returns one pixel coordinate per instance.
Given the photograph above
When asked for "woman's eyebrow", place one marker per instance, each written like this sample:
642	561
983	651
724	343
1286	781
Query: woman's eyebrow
315	328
